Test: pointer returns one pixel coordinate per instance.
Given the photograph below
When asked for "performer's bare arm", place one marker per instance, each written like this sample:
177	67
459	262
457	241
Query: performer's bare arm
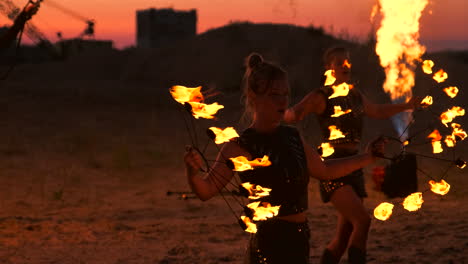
313	102
384	111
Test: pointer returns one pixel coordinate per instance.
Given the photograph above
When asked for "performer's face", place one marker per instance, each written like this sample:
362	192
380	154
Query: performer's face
341	64
271	105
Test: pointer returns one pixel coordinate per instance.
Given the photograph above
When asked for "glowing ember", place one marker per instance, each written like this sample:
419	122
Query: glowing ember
224	135
383	211
406	143
256	191
441	187
397	44
440	76
436	144
251	227
413	202
346	64
339	112
330	78
427	66
460	163
335	133
327	149
184	94
340	90
451	91
241	163
264	211
427	101
449	115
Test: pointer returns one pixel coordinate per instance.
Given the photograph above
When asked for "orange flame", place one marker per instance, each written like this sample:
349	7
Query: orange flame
330	78
346	64
340	90
457	134
256	191
224	135
335	133
339	112
427	66
440	76
450	141
241	163
194	97
427	101
264	211
383	211
441	187
251	227
205	110
436	144
448	116
327	149
451	91
397	44
413	202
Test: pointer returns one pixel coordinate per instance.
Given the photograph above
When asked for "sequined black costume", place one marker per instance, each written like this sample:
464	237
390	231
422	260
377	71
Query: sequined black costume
350	125
276	240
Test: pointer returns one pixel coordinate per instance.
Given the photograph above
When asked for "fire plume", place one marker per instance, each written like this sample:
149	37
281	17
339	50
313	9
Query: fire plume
327	149
224	135
251	227
340	90
440	76
194	97
383	211
448	116
335	133
427	66
427	101
339	112
413	202
241	163
441	187
330	78
436	144
256	191
263	211
451	91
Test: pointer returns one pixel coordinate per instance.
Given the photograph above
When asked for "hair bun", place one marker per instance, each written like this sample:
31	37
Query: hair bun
254	60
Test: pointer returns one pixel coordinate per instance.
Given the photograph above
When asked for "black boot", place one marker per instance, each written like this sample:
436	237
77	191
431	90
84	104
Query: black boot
328	257
356	255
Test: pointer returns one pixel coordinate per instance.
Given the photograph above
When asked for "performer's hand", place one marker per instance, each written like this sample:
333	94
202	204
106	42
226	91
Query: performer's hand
377	147
193	160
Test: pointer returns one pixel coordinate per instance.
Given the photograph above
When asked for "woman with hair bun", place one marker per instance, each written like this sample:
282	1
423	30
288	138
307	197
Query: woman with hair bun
284	238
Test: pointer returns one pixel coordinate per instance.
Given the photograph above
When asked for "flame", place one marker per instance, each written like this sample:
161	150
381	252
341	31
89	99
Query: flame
383	211
264	211
224	135
327	149
256	191
413	202
441	187
427	66
457	134
436	144
194	97
375	9
448	116
346	64
330	77
335	133
397	44
339	112
340	90
251	227
241	163
427	101
450	141
451	91
406	143
440	76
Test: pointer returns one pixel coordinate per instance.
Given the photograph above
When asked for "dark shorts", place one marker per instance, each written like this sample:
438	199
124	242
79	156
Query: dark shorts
279	242
354	179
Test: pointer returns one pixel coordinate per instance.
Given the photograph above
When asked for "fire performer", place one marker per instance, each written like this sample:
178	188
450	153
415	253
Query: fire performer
347	193
7	38
284	238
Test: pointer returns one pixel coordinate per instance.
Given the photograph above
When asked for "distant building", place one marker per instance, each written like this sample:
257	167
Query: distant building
70	47
160	27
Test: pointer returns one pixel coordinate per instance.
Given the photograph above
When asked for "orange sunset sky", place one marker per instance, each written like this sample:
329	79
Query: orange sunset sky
444	24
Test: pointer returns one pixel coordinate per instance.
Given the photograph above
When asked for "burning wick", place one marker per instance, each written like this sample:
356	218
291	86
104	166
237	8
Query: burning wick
330	78
427	101
413	202
441	187
460	163
440	76
383	211
427	66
